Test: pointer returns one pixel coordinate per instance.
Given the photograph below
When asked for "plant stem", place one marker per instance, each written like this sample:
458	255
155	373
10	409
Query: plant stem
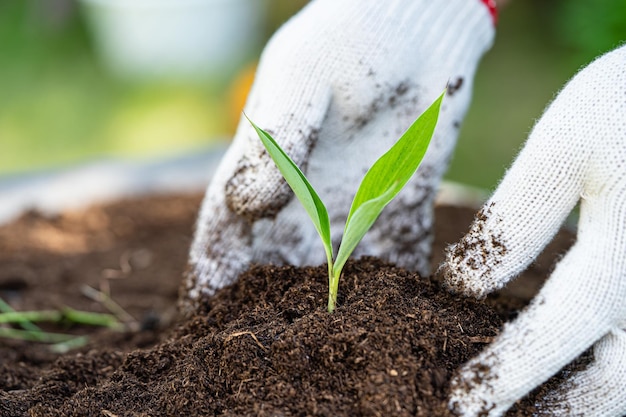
54	316
35	336
26	325
333	288
332	297
62	343
109	304
92	319
75	343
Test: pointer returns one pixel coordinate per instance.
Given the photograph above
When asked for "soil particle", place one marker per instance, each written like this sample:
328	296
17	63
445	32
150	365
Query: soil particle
264	346
455	86
476	255
393	96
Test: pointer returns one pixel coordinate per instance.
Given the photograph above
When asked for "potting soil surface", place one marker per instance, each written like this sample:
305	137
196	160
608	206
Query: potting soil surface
265	346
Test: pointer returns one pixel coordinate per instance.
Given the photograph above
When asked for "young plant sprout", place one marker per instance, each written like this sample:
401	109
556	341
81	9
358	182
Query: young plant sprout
382	182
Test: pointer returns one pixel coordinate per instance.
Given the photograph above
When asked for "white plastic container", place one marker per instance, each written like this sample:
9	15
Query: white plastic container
174	38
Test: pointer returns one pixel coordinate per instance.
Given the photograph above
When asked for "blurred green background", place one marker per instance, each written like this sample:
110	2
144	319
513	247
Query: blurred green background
59	105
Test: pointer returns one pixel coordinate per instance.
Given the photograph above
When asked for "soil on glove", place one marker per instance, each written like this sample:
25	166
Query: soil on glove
263	347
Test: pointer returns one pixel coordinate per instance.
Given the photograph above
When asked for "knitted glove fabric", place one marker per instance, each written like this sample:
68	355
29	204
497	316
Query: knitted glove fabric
336	86
576	152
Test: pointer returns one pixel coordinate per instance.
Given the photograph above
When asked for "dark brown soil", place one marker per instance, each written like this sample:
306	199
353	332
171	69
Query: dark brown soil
263	347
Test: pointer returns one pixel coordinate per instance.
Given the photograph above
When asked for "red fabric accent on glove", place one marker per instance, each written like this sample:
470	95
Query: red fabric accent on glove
491	5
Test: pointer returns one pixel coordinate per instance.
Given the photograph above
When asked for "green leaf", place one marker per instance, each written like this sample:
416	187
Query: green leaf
384	180
301	188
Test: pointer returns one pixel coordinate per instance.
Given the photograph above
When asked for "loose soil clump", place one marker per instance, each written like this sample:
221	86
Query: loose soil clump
264	346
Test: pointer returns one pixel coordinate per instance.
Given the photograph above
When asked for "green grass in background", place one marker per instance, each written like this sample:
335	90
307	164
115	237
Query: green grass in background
53	94
59	105
539	46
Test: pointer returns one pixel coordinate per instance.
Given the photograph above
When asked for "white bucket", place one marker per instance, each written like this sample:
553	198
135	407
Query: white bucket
174	38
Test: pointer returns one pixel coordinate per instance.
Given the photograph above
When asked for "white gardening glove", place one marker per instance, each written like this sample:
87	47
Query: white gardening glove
336	87
576	152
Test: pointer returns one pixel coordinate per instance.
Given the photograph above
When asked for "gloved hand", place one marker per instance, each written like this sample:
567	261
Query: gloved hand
336	87
576	152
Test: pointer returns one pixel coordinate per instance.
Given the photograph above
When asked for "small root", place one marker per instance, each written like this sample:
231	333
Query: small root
237	334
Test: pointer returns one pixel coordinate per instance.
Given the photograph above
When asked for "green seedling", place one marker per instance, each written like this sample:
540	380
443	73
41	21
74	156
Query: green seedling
382	182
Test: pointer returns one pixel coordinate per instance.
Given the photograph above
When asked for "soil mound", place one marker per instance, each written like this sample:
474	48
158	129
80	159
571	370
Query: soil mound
265	346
